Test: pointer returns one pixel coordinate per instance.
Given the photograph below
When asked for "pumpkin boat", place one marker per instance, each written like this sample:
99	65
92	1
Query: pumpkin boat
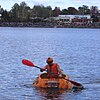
43	81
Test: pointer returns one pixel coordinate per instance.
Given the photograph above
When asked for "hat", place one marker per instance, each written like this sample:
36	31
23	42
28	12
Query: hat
49	60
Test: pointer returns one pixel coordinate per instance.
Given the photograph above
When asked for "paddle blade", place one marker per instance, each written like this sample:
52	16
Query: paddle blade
27	62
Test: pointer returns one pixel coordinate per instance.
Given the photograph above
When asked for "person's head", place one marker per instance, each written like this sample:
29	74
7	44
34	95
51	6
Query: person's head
49	61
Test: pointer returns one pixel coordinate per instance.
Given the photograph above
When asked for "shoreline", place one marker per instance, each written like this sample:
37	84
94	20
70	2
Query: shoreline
50	25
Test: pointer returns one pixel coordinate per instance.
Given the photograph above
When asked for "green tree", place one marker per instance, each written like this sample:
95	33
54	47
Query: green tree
84	10
1	13
24	11
49	11
94	13
94	10
20	12
37	9
41	11
64	12
5	15
72	11
1	10
14	12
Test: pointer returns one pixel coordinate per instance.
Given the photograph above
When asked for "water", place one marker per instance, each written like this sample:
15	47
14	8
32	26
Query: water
77	51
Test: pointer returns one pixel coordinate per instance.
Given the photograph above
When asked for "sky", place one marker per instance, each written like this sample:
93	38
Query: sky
63	4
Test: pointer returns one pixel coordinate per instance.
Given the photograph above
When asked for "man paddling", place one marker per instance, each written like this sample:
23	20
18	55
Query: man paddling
29	63
53	69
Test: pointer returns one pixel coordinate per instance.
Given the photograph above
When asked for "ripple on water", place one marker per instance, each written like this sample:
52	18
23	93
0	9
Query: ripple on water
76	50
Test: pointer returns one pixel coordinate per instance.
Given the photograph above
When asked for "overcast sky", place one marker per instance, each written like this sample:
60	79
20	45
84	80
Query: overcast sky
7	4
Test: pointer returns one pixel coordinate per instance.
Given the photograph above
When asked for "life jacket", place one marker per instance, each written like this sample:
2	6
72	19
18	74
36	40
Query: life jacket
52	71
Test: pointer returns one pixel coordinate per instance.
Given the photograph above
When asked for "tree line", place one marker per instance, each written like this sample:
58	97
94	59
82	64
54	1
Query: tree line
23	13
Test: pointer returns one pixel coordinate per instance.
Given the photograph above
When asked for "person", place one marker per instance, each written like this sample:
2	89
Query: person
53	69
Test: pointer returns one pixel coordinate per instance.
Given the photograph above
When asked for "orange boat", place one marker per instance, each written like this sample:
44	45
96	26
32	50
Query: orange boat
43	82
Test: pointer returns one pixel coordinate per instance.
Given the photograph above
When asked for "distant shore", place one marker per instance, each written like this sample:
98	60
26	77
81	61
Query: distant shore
50	25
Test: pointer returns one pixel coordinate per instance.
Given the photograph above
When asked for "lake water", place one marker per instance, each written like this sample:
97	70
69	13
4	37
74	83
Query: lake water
77	51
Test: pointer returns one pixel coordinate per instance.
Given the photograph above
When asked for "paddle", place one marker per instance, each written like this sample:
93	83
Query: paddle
29	63
75	83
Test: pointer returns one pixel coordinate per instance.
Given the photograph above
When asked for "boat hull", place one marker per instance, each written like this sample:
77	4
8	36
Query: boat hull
43	82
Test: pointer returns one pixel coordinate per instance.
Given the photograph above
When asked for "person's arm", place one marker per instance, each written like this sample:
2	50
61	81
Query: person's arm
43	69
59	70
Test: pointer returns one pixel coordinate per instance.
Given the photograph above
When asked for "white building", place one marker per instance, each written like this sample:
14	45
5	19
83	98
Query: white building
75	16
68	18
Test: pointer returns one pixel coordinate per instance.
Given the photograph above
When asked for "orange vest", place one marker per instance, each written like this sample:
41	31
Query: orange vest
52	70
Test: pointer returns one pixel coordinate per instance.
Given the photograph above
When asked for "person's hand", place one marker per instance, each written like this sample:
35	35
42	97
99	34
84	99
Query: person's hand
41	70
60	75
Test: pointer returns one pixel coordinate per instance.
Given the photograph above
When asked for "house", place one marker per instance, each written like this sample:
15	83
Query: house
71	18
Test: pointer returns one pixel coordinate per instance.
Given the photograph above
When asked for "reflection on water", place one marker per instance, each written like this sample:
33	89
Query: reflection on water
51	94
44	94
55	94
